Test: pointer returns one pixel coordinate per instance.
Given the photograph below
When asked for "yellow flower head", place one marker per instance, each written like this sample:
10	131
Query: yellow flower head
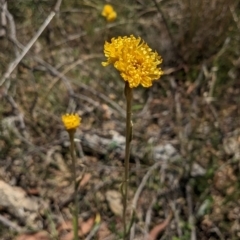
134	59
71	121
109	13
112	16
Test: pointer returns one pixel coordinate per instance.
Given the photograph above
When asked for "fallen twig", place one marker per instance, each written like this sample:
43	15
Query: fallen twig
141	186
14	64
11	224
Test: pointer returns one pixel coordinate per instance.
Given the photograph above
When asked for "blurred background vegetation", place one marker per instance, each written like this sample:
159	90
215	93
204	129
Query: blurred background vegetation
194	110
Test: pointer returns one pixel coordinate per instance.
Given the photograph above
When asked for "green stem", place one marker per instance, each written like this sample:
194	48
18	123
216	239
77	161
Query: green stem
74	176
128	95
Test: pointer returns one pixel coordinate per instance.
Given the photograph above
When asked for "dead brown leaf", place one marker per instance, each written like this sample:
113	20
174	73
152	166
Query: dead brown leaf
66	230
65	226
103	231
33	191
159	228
35	236
114	199
85	227
85	179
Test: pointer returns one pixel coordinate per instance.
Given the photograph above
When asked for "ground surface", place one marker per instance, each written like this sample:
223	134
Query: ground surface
185	152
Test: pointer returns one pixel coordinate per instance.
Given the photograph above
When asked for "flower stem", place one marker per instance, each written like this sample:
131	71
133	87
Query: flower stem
75	208
128	95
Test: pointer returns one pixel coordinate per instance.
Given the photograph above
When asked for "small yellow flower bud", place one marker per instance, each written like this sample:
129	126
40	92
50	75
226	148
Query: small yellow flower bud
109	13
71	121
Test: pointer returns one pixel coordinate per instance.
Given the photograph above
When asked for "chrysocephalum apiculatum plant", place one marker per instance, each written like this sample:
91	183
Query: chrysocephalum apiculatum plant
138	65
109	13
71	122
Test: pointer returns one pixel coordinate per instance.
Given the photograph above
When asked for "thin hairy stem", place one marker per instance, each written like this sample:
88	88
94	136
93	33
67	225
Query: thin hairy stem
128	94
75	208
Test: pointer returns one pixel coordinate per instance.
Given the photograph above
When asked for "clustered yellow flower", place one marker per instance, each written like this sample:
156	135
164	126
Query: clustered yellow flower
71	121
134	59
109	13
